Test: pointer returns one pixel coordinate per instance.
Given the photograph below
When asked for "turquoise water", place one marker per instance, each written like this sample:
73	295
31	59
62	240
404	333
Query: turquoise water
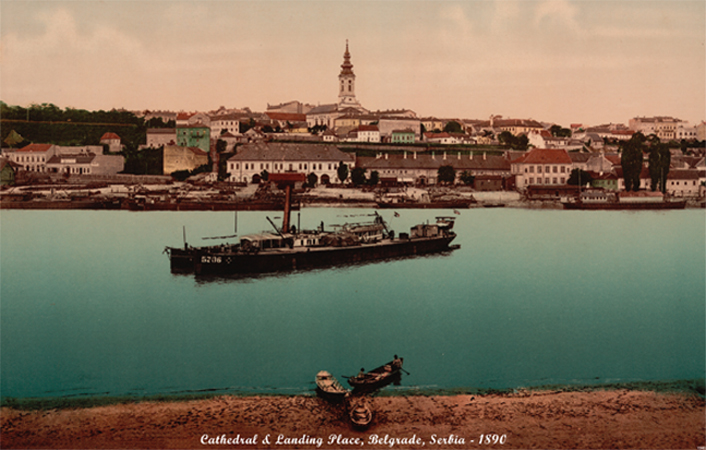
533	297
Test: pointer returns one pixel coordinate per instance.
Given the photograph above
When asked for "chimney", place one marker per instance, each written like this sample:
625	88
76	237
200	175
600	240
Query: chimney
471	158
386	155
405	154
444	156
459	156
433	156
484	156
415	155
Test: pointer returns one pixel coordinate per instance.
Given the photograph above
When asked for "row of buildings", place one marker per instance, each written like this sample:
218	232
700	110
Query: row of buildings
346	120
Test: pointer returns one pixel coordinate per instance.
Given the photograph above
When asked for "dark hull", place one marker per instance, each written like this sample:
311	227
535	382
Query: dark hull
333	397
213	263
465	204
626	205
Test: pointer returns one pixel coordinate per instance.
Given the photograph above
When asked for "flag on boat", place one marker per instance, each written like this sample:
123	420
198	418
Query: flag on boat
456	212
396	214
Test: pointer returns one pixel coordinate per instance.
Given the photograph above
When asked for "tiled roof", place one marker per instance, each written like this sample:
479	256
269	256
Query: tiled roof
368	128
110	136
37	148
544	156
263	151
578	157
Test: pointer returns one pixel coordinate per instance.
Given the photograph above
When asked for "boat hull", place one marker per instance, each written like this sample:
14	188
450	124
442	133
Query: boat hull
204	262
625	205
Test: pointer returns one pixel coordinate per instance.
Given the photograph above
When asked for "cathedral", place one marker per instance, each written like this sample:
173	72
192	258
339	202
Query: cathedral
347	103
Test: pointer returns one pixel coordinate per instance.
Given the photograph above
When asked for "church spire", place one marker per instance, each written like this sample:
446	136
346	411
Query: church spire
347	67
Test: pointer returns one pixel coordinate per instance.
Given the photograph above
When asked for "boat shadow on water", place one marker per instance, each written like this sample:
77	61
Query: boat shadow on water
252	277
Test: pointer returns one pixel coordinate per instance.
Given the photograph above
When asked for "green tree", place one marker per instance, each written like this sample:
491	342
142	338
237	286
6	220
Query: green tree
358	176
631	161
558	131
221	146
264	175
466	178
342	172
453	127
579	177
374	178
312	179
659	160
446	174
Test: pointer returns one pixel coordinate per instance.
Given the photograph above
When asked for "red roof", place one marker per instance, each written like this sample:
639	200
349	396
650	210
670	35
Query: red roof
39	148
544	156
109	136
368	128
185	116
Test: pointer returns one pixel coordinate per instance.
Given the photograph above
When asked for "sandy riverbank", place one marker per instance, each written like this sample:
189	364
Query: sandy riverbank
544	419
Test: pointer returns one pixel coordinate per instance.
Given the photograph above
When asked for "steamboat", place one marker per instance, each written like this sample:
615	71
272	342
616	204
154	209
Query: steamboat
288	248
602	200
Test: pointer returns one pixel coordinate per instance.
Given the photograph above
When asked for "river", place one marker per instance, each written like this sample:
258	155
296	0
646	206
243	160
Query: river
88	305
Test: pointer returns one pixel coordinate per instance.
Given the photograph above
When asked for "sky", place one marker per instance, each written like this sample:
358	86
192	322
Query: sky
560	61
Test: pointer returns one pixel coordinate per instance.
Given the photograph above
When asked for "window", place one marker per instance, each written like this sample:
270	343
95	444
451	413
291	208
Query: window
531	169
554	169
539	169
531	180
546	169
563	180
539	181
554	180
562	169
546	181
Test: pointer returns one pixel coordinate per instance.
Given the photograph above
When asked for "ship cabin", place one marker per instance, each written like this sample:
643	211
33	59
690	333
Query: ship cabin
263	241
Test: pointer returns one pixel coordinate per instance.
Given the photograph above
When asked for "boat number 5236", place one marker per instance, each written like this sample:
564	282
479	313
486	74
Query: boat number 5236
211	259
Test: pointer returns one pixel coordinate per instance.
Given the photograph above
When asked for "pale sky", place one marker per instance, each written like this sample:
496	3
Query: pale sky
560	61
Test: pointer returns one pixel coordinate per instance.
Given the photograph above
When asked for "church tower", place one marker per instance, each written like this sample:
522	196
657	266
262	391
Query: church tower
346	88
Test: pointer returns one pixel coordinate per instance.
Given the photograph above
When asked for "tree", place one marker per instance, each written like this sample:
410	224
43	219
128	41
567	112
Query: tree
466	178
453	127
221	146
659	160
558	131
312	179
342	171
446	174
374	178
264	175
631	161
579	177
358	176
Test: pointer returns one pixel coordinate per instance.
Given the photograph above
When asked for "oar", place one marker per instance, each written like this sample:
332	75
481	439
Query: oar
405	371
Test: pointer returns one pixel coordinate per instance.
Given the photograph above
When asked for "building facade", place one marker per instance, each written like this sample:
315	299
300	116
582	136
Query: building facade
321	160
541	167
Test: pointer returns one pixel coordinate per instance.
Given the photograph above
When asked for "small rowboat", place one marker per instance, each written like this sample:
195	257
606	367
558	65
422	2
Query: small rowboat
361	414
328	387
378	378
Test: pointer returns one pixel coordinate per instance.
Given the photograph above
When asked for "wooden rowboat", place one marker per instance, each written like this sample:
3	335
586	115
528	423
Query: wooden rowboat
360	413
328	387
378	377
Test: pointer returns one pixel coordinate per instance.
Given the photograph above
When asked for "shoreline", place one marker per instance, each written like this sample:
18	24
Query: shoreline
695	387
618	418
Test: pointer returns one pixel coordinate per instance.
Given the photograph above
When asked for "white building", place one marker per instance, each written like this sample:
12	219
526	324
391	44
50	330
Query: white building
541	167
274	157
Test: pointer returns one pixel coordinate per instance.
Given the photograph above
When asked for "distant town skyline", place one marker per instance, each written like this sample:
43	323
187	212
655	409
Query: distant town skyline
558	61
